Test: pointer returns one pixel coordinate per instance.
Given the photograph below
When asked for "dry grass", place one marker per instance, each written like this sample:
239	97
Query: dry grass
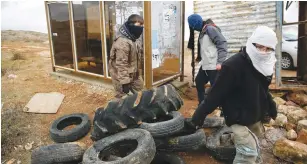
25	36
18	56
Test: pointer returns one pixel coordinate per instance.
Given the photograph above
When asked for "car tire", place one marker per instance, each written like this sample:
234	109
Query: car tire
132	146
174	124
182	142
286	61
165	158
216	149
83	126
58	153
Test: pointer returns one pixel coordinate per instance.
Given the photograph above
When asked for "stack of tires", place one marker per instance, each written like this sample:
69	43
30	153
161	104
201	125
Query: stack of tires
127	132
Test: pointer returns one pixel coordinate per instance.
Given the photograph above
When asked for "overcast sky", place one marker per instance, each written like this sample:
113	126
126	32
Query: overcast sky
30	15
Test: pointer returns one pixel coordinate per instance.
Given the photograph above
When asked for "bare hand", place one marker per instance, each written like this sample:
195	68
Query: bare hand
218	67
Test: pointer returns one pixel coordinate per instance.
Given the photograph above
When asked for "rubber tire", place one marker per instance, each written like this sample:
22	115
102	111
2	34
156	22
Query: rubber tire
62	136
224	153
99	131
284	54
143	154
173	95
165	158
182	143
58	153
165	128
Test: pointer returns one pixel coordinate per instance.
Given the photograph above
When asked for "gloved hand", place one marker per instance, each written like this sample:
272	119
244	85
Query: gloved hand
126	88
190	125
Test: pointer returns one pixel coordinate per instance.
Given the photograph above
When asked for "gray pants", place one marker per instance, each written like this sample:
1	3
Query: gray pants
246	142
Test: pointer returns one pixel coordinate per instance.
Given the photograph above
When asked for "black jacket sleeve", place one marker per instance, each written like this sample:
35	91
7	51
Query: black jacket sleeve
272	107
225	83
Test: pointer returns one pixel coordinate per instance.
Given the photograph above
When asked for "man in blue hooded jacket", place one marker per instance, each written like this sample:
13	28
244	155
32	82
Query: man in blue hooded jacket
212	51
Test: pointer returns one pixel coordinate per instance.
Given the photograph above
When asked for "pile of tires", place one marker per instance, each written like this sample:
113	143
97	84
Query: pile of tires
121	114
127	132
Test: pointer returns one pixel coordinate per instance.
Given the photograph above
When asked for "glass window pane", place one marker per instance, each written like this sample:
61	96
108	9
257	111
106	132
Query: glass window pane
60	34
116	13
166	39
86	17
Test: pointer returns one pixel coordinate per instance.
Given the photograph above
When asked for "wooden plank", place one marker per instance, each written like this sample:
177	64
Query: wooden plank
44	103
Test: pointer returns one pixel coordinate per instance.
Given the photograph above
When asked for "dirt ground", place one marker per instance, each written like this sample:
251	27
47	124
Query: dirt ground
25	69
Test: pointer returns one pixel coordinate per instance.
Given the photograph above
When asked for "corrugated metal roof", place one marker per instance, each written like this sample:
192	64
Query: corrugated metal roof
237	19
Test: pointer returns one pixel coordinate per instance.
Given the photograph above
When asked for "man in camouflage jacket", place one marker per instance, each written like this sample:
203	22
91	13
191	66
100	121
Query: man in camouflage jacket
126	57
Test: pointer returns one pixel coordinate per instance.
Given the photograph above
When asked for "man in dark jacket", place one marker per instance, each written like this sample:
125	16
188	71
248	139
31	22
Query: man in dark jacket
212	51
241	89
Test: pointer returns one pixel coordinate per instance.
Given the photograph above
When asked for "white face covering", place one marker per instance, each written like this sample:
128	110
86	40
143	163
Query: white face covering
263	61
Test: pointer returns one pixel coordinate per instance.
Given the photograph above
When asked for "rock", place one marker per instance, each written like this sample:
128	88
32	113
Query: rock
12	76
291	151
266	128
302	124
291	135
275	134
18	162
305	108
11	161
28	146
212	122
284	109
299	98
291	103
302	136
297	115
279	101
290	126
280	120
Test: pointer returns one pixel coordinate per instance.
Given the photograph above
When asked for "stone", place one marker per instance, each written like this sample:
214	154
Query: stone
302	124
297	115
291	103
284	109
266	128
305	108
302	136
290	126
213	122
273	135
280	120
299	98
291	135
279	101
291	151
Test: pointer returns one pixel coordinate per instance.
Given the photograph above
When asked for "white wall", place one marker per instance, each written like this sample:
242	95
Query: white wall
188	11
23	15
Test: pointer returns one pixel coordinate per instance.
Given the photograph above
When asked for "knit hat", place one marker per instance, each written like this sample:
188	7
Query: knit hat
195	22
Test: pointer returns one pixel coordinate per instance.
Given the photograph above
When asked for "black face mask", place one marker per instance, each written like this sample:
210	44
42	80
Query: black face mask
136	31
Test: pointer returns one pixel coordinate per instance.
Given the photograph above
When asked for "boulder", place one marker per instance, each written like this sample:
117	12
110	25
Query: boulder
291	151
285	109
279	101
290	126
280	120
302	136
299	98
273	135
297	115
302	124
291	135
291	103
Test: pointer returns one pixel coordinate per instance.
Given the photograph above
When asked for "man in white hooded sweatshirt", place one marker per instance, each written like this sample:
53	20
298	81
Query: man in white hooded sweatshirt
241	89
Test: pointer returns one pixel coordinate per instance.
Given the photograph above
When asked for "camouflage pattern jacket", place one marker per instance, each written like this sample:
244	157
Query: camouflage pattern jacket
125	60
